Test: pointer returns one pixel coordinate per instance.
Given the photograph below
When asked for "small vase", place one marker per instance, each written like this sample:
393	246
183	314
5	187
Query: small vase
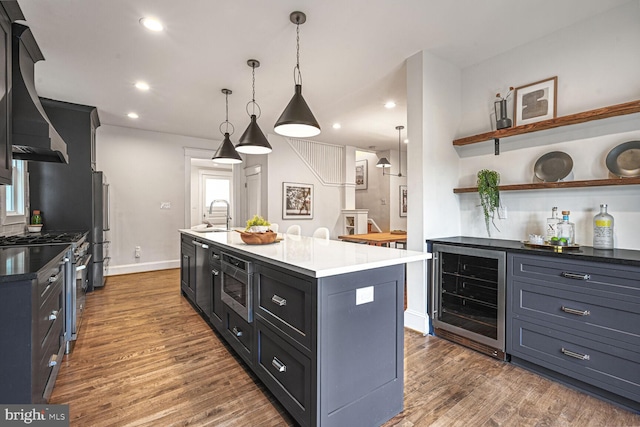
502	121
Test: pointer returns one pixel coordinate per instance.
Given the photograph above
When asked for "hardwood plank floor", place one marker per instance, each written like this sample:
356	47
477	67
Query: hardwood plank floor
146	358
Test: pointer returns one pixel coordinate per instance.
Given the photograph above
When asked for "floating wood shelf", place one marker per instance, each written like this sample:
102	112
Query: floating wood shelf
586	116
564	184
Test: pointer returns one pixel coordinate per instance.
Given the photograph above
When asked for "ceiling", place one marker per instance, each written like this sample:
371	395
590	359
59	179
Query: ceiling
352	56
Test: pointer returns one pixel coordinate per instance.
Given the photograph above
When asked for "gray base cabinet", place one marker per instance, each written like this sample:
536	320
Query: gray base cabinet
330	356
577	321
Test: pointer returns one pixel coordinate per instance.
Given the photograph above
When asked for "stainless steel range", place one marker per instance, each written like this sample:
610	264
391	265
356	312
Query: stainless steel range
76	275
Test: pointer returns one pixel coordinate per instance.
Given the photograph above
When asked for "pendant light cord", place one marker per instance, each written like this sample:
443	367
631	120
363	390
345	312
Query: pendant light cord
226	121
297	74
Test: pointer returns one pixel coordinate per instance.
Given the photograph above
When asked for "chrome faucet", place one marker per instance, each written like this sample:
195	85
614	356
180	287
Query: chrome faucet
227	216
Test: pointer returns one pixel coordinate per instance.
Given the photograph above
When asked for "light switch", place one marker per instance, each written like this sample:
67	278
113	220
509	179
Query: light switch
364	295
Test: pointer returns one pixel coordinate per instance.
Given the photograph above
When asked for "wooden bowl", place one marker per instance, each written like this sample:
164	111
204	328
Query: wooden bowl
258	238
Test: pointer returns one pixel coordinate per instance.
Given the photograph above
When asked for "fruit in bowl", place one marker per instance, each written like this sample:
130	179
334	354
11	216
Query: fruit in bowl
257	224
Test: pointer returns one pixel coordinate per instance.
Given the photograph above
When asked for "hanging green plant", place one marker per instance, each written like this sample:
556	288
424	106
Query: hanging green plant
488	181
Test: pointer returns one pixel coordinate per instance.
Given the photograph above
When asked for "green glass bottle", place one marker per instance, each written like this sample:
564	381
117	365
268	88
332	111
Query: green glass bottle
36	218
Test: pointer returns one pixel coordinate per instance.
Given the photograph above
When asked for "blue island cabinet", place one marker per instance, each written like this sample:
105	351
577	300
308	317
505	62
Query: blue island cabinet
329	348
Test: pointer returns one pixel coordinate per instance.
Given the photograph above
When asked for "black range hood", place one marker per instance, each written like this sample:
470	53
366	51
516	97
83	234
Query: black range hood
34	137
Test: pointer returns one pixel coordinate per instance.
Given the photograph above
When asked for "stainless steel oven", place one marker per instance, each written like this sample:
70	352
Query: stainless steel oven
468	297
237	286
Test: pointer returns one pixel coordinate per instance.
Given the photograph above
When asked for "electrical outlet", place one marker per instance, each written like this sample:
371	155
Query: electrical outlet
165	205
137	252
502	212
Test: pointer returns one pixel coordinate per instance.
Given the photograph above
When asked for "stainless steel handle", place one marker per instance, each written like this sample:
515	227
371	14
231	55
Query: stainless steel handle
215	272
237	332
55	278
576	276
281	367
576	312
53	315
278	300
202	245
434	284
216	256
185	256
574	354
106	201
81	267
53	360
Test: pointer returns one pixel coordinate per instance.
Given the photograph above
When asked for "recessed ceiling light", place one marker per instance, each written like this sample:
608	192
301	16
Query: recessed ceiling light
390	104
406	141
142	85
133	115
152	24
337	126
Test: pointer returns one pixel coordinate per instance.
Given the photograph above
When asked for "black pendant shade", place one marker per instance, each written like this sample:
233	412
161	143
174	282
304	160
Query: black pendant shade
226	153
253	140
383	163
297	120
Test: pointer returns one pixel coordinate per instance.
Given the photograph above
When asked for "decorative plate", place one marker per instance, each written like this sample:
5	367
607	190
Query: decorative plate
624	160
553	166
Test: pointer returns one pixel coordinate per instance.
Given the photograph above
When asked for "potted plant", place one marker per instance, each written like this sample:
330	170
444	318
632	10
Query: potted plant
488	181
257	224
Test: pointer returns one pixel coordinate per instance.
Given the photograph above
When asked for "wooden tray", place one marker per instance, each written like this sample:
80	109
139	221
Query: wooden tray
556	248
258	238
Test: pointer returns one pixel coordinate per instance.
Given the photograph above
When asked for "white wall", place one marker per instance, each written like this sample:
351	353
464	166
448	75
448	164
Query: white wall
597	63
286	166
144	169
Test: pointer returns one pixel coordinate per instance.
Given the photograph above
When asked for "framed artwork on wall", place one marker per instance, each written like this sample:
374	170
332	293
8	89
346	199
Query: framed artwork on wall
361	175
403	200
297	201
535	102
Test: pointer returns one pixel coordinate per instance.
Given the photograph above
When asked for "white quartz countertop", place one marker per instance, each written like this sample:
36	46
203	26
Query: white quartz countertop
314	257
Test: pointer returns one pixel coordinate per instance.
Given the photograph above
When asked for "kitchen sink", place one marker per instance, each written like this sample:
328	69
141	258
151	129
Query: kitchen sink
210	230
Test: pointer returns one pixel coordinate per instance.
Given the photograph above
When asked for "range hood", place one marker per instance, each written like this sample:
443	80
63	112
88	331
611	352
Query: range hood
34	137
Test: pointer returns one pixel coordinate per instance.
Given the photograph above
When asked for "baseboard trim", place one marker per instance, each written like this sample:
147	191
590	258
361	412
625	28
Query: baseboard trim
417	321
115	270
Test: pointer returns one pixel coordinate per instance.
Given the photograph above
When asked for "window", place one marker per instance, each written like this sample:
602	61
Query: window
15	193
216	186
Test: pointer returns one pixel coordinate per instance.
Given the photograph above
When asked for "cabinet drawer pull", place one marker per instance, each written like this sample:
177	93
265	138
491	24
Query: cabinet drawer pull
281	367
574	354
185	256
54	279
216	256
215	272
53	360
576	312
53	315
237	332
278	300
576	276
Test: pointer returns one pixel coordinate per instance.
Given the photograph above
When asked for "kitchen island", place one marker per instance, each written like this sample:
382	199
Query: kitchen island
319	322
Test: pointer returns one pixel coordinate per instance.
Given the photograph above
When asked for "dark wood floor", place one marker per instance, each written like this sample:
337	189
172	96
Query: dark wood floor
145	358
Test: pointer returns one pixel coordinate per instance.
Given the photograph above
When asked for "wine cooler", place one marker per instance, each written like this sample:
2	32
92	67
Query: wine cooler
468	297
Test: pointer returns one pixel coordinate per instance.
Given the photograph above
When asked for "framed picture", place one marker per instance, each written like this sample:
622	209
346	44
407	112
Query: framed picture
403	200
297	201
535	102
361	175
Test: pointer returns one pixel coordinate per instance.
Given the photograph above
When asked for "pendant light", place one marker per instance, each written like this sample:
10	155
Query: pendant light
297	120
253	140
384	163
226	153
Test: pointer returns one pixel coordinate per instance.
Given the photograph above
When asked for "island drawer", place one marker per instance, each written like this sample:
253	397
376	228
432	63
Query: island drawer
286	371
599	363
286	302
601	279
614	318
239	334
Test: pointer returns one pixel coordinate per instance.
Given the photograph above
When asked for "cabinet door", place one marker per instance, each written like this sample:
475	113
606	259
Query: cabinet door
188	271
5	105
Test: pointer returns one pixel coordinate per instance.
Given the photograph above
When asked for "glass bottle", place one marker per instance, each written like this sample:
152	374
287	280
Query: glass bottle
36	218
552	224
603	229
566	229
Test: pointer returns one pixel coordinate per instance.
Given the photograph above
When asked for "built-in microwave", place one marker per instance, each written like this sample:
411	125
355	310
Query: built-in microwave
237	287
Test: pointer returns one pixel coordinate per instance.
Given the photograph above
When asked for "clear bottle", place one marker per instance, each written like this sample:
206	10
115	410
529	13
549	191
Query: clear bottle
552	224
603	229
566	229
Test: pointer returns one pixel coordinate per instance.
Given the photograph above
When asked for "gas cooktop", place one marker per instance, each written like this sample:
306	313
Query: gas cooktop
46	238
